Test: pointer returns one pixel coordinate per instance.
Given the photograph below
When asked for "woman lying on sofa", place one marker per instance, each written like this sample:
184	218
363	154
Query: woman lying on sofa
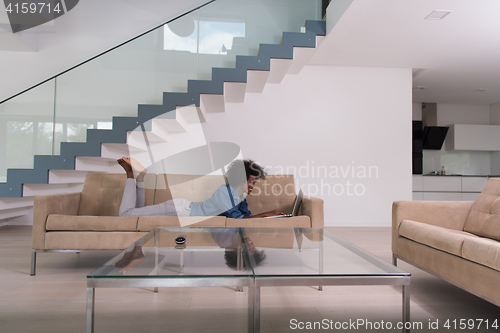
227	200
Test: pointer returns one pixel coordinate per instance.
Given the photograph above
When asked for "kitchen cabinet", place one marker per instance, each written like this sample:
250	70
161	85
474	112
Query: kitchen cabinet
473	184
447	188
442	184
473	137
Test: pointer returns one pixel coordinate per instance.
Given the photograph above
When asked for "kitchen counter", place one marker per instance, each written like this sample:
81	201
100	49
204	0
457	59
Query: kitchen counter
458	175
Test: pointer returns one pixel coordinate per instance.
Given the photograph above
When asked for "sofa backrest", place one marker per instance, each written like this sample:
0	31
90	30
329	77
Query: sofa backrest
274	192
189	187
484	216
102	193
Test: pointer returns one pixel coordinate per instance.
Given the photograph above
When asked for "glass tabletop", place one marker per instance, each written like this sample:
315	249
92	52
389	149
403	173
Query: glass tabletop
207	252
278	252
243	252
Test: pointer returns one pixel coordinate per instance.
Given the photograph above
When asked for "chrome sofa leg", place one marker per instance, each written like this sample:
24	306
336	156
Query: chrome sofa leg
394	260
33	262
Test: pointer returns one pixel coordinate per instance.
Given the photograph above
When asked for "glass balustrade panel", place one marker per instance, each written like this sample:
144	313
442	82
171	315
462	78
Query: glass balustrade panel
237	27
26	128
117	82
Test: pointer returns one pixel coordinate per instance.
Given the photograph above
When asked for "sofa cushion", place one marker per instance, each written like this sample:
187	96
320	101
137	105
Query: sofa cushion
90	240
284	222
484	216
443	239
91	223
148	223
483	251
102	193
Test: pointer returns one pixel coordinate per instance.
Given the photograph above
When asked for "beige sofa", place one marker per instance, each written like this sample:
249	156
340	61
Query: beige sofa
89	220
457	241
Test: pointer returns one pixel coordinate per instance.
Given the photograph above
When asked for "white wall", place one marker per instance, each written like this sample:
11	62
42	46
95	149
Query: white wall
459	162
495	114
448	114
416	111
495	120
333	117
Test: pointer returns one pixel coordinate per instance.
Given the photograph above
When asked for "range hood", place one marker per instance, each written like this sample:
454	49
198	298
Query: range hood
433	136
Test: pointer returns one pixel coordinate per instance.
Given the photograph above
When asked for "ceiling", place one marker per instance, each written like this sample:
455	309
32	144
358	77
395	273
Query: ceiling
453	57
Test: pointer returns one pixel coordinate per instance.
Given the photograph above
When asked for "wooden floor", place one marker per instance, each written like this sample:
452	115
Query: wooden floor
54	300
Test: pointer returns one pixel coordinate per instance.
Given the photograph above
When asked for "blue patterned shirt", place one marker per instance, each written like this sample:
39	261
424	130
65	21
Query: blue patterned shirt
221	203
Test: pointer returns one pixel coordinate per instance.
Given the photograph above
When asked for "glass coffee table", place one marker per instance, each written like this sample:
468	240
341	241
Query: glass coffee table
243	257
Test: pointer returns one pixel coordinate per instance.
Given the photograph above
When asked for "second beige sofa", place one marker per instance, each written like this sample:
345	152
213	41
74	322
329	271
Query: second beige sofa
458	241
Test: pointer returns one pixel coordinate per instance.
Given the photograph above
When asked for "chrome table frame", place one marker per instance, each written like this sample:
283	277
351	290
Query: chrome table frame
35	251
155	282
328	281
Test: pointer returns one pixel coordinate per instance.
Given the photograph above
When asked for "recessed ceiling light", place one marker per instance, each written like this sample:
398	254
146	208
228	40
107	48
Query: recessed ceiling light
438	14
419	87
480	90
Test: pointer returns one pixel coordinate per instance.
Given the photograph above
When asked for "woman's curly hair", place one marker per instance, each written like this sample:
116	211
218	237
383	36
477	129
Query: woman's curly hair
236	168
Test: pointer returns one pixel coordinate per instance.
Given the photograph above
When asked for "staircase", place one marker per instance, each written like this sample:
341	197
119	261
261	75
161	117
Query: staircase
159	127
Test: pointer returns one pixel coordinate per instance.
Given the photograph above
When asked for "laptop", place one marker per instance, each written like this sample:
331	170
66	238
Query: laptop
295	210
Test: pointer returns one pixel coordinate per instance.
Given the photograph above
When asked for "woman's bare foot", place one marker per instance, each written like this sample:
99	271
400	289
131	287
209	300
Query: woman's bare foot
127	167
131	166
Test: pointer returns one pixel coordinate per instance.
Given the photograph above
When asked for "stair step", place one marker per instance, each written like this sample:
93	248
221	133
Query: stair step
317	27
97	164
276	51
181	99
114	151
67	176
11	203
142	140
256	81
162	126
31	190
212	103
14	212
180	142
301	56
297	39
279	68
192	114
319	40
253	63
234	92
